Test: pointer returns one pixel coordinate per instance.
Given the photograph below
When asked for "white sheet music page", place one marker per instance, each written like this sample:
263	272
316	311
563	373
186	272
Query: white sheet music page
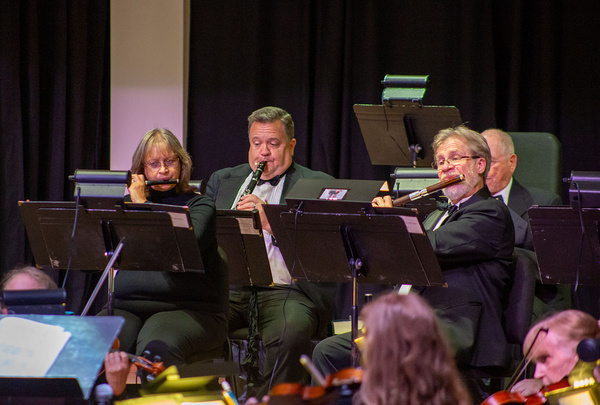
29	348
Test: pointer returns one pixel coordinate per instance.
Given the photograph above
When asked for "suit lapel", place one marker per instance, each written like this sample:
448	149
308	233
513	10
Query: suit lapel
518	200
432	219
228	191
291	177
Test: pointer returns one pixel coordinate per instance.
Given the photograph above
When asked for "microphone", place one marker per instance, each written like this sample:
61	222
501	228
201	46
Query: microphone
159	182
588	350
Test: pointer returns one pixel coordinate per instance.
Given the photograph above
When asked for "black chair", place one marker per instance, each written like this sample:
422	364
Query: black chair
517	317
199	185
519	310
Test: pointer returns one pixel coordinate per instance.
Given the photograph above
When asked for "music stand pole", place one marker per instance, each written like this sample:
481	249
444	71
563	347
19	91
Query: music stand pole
355	264
107	271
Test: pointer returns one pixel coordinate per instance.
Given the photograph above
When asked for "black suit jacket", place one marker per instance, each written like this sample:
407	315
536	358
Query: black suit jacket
223	187
521	198
474	248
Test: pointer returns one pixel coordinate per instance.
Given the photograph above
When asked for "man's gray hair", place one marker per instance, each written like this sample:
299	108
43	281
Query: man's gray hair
475	142
272	114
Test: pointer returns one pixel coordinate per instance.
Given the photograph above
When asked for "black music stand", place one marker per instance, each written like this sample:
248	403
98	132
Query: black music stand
565	254
74	372
239	234
401	135
366	245
136	237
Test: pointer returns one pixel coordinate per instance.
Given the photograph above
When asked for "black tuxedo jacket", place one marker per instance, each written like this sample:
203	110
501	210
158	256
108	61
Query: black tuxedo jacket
521	198
474	247
223	187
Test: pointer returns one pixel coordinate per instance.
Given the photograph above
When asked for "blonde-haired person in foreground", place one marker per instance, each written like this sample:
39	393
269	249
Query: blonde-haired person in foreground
406	358
408	361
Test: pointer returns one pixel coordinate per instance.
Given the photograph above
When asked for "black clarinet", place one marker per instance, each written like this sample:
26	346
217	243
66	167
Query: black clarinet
255	177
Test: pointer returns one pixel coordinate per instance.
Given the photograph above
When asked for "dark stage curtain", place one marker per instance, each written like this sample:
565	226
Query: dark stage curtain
54	110
520	65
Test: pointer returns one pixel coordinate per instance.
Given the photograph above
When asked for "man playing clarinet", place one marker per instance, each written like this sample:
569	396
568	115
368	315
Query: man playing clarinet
288	314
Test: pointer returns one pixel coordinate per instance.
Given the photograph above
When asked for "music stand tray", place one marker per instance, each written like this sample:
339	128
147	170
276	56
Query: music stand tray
239	234
389	132
74	372
564	255
155	236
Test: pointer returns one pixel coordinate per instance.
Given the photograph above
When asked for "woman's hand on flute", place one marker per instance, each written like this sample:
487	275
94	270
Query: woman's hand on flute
385	201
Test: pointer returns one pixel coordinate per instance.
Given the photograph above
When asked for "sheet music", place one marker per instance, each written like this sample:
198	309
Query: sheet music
29	348
412	225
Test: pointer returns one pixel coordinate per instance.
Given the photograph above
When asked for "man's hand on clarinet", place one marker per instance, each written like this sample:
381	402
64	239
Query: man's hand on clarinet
250	202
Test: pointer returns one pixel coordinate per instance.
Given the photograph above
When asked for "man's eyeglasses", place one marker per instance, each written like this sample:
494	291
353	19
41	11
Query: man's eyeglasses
157	164
452	161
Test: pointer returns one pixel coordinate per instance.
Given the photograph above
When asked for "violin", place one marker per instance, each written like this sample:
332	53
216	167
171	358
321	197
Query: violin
341	384
514	398
152	368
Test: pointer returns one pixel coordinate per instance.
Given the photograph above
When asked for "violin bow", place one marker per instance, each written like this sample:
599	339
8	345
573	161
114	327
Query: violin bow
526	360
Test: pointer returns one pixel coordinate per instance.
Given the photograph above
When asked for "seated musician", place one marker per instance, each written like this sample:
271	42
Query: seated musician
473	242
26	278
554	351
185	310
116	365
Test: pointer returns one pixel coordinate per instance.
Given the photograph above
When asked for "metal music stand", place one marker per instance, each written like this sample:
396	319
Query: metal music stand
565	254
74	372
133	237
239	234
354	242
401	135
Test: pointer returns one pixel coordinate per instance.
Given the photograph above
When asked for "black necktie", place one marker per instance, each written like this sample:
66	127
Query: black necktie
274	181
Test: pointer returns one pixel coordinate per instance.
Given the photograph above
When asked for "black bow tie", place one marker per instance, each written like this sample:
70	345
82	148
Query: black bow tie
452	209
274	181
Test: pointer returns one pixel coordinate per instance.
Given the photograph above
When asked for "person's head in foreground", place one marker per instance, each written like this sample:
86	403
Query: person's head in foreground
407	360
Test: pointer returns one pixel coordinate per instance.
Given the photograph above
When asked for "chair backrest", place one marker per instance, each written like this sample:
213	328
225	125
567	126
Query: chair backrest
539	160
519	310
199	185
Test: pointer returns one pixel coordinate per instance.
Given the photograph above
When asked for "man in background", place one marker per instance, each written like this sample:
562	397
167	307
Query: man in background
501	182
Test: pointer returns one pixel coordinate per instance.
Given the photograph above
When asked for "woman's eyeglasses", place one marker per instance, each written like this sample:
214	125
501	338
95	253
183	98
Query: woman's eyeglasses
157	164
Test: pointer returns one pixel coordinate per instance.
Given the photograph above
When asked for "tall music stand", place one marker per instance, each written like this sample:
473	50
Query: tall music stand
401	135
74	372
131	237
336	242
565	254
239	234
